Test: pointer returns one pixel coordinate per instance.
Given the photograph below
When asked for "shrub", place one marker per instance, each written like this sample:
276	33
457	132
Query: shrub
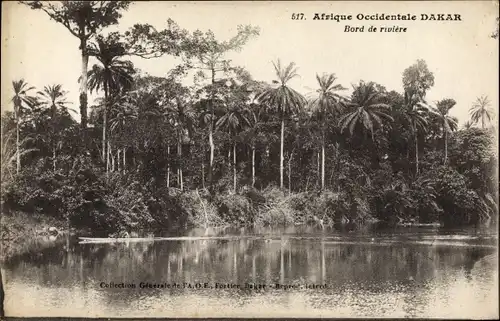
81	195
198	210
234	208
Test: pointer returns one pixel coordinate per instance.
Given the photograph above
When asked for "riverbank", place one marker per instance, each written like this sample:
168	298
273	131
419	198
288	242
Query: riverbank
20	230
126	214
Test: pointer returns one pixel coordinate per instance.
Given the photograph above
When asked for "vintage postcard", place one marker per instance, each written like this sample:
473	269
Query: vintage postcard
249	159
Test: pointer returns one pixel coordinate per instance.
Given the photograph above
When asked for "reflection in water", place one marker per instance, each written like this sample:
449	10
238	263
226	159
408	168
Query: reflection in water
366	275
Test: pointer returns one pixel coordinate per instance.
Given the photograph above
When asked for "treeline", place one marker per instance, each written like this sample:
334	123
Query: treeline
234	150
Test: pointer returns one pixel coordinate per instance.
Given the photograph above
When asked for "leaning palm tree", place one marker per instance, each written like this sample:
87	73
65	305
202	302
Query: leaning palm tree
481	110
112	76
22	102
234	120
327	102
448	123
285	100
365	109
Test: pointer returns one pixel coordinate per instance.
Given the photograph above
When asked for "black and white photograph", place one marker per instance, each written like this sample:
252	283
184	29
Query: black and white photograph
249	159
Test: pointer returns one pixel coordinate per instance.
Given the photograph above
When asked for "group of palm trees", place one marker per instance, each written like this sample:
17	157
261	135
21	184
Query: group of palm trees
52	97
367	111
235	104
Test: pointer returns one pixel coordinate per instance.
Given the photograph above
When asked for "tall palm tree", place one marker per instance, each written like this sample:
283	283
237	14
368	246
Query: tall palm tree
254	117
54	97
181	117
124	113
414	115
448	123
22	102
285	100
327	102
112	76
481	110
365	109
234	121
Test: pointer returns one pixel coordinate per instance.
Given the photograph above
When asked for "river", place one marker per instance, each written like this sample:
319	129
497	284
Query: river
295	271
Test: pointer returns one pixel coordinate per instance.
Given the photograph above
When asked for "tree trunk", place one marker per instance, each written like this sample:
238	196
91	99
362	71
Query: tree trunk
124	159
253	165
182	181
83	85
203	172
179	153
445	146
337	160
234	166
210	165
104	125
323	163
482	120
168	166
281	149
18	145
118	159
54	157
318	169
112	159
210	133
108	157
53	133
290	175
416	153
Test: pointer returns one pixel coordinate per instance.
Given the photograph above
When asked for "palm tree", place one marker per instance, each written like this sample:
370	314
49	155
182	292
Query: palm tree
449	123
481	110
54	97
253	115
112	76
233	120
124	114
285	100
181	117
9	154
365	109
22	102
414	114
468	125
327	102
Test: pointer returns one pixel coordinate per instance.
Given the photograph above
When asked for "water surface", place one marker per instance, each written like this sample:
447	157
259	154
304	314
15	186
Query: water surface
297	271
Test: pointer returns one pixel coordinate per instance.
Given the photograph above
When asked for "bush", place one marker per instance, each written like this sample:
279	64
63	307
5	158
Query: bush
198	210
459	203
81	195
276	210
234	209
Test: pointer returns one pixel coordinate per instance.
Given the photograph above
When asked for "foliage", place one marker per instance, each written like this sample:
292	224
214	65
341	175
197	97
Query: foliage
365	109
481	111
145	163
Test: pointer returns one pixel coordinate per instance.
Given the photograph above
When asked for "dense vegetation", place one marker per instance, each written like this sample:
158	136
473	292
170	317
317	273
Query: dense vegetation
155	153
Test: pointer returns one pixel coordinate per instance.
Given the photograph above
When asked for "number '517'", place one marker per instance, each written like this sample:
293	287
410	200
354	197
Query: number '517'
297	16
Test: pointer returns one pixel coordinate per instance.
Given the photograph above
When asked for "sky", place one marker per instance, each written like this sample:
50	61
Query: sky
461	54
